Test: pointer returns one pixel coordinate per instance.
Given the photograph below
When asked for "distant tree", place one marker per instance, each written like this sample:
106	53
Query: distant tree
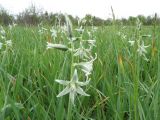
132	20
98	21
92	20
124	21
88	19
142	18
31	16
45	18
108	21
34	16
74	20
5	17
149	20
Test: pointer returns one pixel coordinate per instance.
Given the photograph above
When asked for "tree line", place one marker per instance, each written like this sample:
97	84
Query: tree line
33	16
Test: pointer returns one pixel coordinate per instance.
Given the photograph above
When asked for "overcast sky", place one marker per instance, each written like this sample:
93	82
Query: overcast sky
99	8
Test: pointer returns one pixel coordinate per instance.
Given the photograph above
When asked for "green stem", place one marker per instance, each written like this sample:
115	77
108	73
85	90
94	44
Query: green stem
69	114
136	76
136	85
72	61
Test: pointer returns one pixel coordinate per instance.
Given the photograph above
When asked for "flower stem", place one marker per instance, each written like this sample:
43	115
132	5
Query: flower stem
72	61
69	114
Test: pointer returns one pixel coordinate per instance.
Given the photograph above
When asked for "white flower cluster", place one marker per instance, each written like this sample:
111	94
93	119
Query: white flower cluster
53	32
3	38
122	34
141	50
82	60
41	30
11	26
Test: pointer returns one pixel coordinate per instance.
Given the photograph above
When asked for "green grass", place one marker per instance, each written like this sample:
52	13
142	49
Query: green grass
123	86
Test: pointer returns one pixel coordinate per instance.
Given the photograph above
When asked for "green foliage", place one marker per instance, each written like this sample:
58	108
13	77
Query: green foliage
28	72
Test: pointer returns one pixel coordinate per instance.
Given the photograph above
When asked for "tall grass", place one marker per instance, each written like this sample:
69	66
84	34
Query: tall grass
123	85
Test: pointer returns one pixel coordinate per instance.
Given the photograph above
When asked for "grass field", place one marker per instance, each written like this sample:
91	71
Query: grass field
123	85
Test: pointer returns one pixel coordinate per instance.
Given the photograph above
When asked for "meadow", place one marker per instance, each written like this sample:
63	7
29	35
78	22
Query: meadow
124	85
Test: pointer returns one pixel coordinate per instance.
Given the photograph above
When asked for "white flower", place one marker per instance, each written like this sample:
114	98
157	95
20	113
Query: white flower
80	30
142	50
10	26
82	52
123	36
57	46
14	24
75	39
1	44
42	30
131	42
3	37
89	34
2	31
91	42
95	29
63	28
86	67
53	32
72	87
9	43
146	35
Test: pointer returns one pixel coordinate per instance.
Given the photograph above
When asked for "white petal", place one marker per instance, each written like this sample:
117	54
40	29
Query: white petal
83	83
75	76
63	82
146	35
57	46
86	67
131	42
87	73
92	42
145	58
144	50
9	43
147	46
1	44
81	52
80	30
64	92
81	92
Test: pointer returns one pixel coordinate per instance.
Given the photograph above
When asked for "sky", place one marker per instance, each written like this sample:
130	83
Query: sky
99	8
